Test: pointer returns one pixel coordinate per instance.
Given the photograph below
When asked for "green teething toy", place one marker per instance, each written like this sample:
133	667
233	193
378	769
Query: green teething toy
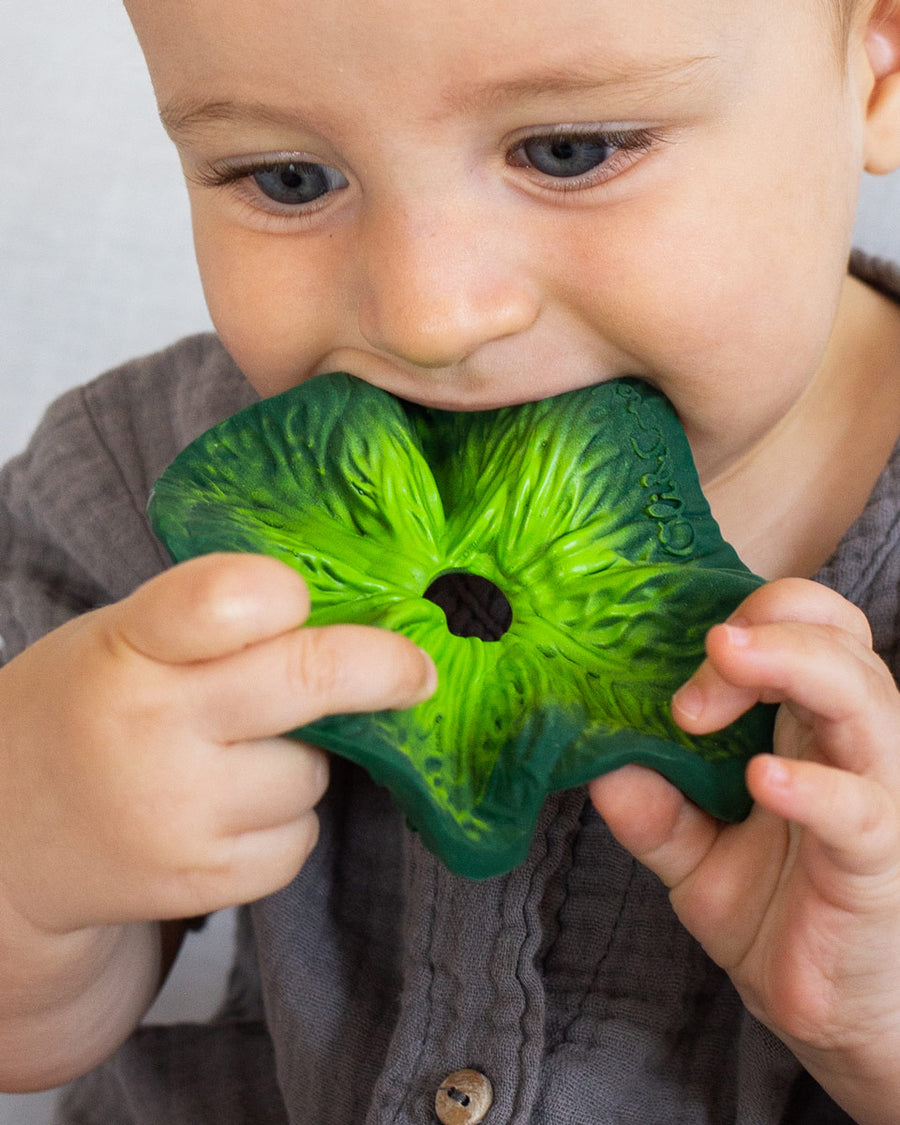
557	559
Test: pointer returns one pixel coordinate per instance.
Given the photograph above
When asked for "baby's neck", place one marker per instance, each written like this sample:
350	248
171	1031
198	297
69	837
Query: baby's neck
787	504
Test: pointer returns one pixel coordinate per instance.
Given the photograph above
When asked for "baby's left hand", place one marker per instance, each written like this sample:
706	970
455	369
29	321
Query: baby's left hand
800	903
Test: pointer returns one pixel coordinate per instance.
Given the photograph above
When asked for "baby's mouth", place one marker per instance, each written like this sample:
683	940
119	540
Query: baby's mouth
461	390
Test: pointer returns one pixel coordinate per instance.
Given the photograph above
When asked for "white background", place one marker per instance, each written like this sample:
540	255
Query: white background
96	266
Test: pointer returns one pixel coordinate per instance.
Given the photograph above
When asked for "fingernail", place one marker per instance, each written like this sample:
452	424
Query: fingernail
737	634
778	773
689	700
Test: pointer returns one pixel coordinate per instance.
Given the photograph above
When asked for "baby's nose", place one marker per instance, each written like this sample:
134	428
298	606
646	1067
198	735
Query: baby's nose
433	292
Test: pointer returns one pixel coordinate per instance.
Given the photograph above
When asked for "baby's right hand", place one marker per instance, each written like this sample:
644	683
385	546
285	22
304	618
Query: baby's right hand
143	772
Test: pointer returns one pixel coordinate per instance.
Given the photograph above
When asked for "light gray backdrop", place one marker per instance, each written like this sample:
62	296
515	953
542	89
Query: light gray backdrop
97	267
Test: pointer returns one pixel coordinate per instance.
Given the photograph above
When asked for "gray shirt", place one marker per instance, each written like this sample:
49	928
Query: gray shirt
377	972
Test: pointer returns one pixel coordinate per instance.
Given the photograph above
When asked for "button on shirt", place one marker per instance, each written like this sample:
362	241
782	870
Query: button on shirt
464	1097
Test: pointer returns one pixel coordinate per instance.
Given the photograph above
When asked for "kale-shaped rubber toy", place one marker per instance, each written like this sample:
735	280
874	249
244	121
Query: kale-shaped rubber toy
557	559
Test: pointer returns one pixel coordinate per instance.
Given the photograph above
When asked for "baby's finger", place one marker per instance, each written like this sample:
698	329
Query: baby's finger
713	697
852	817
654	821
255	864
712	870
307	673
843	691
209	607
268	783
801	600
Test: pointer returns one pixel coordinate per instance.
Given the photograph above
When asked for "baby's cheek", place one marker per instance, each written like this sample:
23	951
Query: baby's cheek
274	310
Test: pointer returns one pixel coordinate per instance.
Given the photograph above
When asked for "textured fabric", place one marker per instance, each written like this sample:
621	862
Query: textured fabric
360	986
73	534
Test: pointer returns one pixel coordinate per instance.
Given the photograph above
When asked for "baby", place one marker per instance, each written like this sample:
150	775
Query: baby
472	205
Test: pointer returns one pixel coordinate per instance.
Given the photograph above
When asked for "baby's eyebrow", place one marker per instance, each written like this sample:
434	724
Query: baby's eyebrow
181	116
577	76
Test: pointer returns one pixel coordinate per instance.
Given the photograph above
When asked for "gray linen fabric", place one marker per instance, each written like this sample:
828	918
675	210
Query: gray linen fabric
360	986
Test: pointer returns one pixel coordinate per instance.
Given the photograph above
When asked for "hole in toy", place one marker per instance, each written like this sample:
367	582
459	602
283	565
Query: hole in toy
473	606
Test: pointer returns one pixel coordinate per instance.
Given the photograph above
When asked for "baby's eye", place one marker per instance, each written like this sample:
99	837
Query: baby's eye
564	156
297	182
581	159
282	187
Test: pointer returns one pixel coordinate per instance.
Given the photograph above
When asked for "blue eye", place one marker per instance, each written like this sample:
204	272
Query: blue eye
564	156
298	182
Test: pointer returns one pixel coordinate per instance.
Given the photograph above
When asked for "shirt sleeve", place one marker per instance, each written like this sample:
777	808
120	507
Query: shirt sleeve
74	534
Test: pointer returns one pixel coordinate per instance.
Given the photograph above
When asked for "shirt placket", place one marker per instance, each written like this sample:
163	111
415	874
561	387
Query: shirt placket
473	1001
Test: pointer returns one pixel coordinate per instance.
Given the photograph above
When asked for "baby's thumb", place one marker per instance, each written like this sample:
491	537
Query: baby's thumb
209	607
654	821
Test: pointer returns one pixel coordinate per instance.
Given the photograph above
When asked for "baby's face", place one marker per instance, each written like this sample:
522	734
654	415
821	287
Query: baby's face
476	204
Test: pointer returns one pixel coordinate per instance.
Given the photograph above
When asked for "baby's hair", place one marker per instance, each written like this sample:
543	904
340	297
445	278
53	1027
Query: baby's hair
842	13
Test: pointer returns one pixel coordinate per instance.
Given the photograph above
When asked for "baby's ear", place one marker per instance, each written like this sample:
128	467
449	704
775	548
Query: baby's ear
882	45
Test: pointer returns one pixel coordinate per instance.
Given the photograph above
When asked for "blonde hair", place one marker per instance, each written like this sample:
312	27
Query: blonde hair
842	13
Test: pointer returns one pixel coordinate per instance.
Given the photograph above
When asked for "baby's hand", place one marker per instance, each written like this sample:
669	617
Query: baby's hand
143	772
801	902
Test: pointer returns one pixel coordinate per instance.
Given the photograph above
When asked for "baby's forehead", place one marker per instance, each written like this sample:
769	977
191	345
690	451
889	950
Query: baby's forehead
320	46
